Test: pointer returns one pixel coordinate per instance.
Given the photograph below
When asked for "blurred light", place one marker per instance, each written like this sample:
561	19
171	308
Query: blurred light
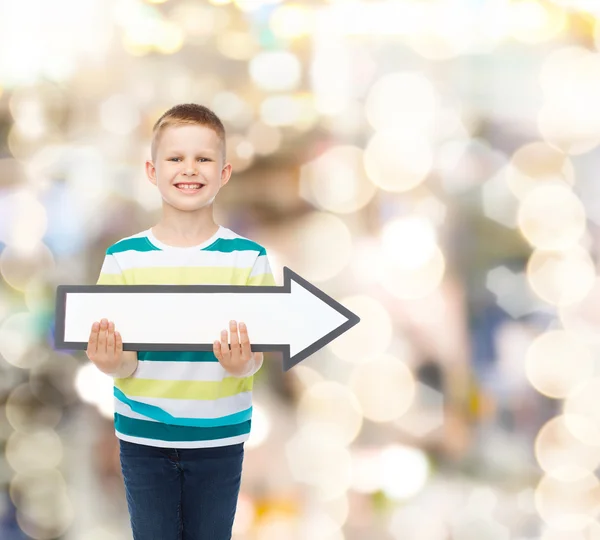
403	471
408	242
66	33
331	75
26	413
24	219
561	278
119	114
32	452
556	362
19	266
582	412
45	510
590	6
288	110
537	163
307	376
385	388
568	505
427	414
465	164
199	21
336	180
29	115
414	522
317	525
251	5
333	405
369	339
403	101
292	20
569	118
170	38
318	457
397	162
562	455
275	526
320	246
535	22
583	318
237	45
275	70
220	2
232	108
96	388
512	292
240	152
18	333
245	511
265	139
414	263
552	217
261	427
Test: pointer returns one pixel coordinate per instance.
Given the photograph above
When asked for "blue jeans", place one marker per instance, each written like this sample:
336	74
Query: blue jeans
181	493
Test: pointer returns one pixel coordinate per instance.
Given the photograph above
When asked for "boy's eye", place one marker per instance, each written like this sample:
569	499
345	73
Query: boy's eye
173	159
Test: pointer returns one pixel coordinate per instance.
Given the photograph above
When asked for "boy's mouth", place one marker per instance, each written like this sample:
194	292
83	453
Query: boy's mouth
189	187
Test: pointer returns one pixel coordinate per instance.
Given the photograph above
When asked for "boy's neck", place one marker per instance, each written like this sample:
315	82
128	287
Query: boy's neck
178	235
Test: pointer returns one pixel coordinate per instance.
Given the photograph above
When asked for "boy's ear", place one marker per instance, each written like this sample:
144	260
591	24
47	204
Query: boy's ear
151	171
226	174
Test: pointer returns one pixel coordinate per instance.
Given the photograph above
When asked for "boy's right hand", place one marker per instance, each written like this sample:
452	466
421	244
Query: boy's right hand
105	347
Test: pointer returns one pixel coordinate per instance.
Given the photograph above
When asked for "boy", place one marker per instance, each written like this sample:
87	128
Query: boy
182	417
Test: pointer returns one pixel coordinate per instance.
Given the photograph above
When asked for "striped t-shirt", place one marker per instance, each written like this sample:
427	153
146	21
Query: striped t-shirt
184	399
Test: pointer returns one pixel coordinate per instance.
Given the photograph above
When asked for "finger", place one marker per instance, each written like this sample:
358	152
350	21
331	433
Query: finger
217	350
224	345
245	340
93	341
102	336
235	339
118	343
110	339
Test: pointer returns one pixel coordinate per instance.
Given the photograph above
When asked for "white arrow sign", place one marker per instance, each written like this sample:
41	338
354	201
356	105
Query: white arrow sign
297	319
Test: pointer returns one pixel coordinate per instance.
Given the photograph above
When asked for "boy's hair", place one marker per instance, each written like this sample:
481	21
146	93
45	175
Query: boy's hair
186	114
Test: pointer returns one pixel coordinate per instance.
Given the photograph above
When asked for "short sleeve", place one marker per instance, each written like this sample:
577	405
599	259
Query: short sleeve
261	274
110	273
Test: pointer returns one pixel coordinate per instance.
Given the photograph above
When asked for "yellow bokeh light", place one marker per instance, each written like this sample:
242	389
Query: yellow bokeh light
337	181
402	100
398	161
36	451
369	339
582	412
583	318
317	456
292	21
569	118
320	246
335	406
556	362
535	22
561	454
561	278
385	388
536	163
552	217
414	281
170	38
28	414
570	505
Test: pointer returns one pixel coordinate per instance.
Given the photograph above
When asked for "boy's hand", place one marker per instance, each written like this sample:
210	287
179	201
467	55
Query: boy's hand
105	347
240	360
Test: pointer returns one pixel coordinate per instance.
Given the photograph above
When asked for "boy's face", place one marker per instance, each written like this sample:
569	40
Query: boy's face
191	155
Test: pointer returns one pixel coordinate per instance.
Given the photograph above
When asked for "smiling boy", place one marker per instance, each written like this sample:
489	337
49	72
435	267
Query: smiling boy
182	417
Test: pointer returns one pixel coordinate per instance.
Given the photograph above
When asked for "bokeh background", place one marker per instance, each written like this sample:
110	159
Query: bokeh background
433	165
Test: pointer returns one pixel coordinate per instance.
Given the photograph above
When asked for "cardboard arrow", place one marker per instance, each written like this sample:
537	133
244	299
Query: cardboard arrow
297	319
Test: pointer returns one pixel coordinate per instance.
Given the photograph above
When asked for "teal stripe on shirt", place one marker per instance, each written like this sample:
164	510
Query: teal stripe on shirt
156	413
177	356
131	244
167	432
224	245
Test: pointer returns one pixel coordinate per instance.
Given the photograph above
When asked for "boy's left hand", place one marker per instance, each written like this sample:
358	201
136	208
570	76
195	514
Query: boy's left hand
240	360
